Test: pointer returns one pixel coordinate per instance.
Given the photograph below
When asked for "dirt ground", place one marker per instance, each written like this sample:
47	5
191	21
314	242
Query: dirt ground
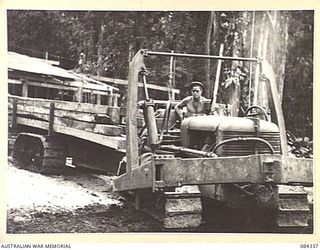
78	202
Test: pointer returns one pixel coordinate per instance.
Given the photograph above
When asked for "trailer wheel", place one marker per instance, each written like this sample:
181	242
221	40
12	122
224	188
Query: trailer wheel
28	152
37	158
19	154
33	152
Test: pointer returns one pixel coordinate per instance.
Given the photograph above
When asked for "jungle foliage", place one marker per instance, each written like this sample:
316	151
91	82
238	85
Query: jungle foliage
109	39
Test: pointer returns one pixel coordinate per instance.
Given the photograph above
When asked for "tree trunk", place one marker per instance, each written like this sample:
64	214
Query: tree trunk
139	31
100	50
272	46
234	93
208	86
278	47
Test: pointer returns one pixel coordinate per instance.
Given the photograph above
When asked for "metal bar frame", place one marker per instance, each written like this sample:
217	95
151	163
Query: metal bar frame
153	53
175	172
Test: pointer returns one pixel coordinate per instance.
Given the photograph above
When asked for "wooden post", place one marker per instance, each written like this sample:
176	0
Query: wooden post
14	114
25	88
115	100
136	66
99	99
109	100
51	119
80	94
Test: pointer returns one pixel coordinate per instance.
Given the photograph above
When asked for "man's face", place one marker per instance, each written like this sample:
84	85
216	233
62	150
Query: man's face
196	91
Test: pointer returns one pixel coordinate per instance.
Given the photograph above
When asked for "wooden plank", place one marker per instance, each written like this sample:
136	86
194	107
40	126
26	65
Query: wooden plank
23	108
14	81
52	85
115	142
64	105
48	82
91	86
72	87
17	75
33	123
136	65
140	84
36	116
42	113
87	79
72	109
104	129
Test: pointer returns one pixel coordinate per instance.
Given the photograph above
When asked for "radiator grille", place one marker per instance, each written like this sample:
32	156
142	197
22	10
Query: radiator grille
248	147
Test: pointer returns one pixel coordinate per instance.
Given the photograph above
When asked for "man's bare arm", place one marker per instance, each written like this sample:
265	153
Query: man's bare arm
178	108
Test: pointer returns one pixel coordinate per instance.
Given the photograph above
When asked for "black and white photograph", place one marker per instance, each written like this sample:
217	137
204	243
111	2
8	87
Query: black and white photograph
189	122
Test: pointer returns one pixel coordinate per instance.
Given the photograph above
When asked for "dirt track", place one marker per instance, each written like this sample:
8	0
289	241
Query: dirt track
77	202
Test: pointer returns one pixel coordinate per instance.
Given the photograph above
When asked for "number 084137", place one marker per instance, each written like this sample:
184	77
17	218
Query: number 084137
309	246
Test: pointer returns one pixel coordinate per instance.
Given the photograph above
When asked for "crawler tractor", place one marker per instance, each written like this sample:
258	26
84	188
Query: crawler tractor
219	169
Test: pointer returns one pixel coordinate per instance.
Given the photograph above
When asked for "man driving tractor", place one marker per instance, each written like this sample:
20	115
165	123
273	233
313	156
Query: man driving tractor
193	103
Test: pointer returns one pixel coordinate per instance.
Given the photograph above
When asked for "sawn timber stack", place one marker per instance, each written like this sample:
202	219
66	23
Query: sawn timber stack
80	129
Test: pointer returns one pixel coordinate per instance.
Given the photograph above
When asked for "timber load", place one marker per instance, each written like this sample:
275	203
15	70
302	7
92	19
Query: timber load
96	123
59	134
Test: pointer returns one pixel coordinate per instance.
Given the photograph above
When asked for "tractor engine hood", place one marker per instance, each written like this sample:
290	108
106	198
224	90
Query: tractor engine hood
225	123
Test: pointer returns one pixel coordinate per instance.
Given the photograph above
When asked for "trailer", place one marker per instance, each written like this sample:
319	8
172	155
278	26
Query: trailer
60	119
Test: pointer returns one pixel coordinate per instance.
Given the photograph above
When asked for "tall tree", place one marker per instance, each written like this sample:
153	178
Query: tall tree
211	18
105	37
